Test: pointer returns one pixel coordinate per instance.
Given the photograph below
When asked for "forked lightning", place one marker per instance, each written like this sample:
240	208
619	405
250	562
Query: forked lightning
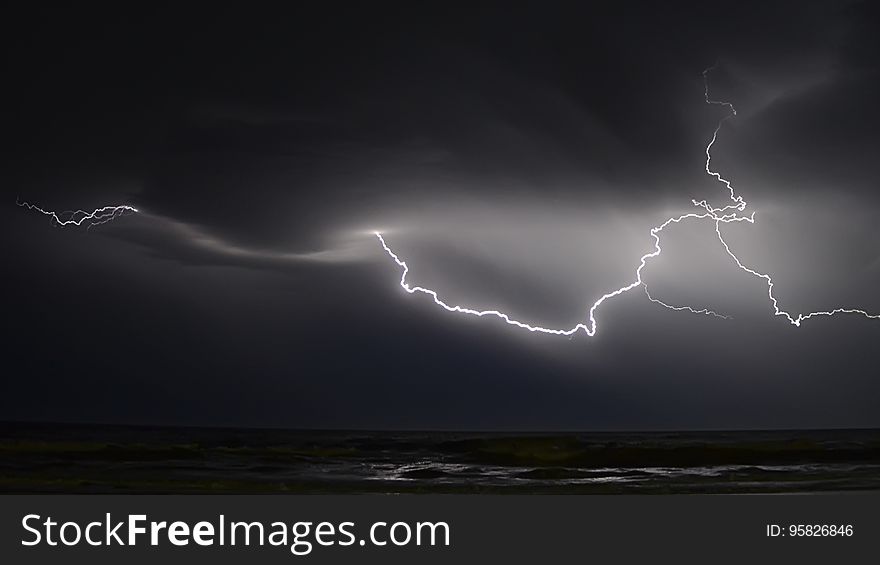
726	214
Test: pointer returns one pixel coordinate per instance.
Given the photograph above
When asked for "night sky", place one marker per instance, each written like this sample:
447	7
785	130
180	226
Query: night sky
515	157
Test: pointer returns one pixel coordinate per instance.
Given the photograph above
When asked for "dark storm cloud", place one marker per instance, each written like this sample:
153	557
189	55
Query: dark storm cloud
515	156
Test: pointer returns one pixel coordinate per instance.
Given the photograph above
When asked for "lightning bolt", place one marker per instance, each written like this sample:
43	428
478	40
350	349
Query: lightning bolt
96	217
704	311
590	326
726	214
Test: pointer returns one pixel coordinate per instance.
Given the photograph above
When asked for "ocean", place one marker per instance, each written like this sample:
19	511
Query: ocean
127	459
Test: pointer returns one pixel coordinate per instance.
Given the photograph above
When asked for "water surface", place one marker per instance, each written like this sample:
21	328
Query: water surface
118	459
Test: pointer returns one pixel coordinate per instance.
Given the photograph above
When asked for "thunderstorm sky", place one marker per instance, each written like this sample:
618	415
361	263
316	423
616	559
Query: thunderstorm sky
516	158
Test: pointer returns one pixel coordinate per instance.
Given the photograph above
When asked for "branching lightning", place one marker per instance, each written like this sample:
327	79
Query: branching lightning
96	217
731	212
